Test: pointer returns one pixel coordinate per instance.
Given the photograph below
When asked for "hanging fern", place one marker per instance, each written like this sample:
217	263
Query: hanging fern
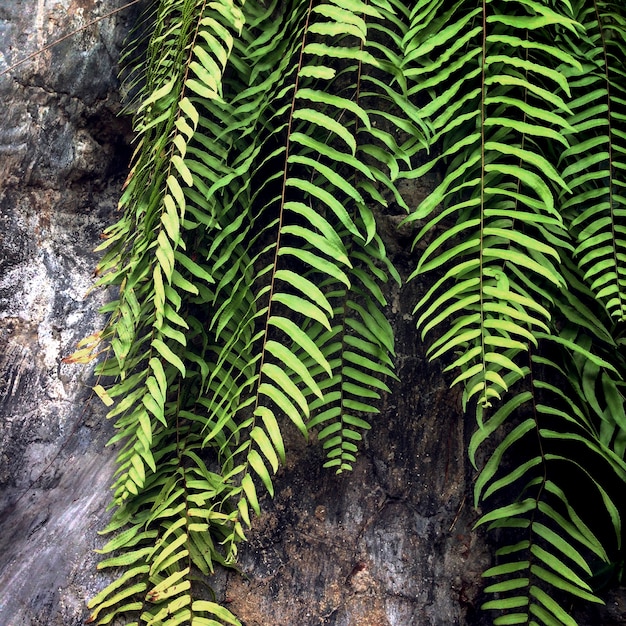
523	206
594	163
251	275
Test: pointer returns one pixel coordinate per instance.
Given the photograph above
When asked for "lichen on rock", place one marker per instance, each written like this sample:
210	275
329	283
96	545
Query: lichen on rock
63	154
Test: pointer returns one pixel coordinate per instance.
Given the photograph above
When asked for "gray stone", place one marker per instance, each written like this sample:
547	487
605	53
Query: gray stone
63	156
387	545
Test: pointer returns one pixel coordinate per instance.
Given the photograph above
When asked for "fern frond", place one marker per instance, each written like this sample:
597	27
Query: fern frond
499	185
147	256
360	347
594	164
553	549
161	541
309	212
498	104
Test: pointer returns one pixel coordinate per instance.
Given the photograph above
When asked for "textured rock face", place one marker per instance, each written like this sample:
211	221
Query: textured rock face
62	153
388	545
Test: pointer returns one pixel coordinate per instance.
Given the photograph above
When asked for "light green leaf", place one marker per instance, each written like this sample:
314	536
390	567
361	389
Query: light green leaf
250	491
215	609
285	405
165	351
287	357
256	462
266	446
297	335
563	584
279	377
327	122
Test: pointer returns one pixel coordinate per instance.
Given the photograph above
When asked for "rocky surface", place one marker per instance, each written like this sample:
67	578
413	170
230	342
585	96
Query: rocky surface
388	545
63	154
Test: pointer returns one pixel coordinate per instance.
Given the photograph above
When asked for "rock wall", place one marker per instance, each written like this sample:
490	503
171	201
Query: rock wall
388	545
63	155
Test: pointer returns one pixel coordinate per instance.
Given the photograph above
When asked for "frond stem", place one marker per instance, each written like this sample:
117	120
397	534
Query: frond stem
484	399
281	210
544	479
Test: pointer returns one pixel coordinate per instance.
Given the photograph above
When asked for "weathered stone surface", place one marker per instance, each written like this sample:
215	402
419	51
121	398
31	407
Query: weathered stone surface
388	545
62	155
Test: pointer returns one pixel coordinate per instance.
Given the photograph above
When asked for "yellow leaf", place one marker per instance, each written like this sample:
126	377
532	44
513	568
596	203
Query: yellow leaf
101	392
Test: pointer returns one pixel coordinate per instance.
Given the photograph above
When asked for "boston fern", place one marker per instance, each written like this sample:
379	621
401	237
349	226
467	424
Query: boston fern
250	276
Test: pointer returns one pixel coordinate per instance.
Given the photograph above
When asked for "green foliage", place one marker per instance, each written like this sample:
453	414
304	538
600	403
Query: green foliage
250	273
